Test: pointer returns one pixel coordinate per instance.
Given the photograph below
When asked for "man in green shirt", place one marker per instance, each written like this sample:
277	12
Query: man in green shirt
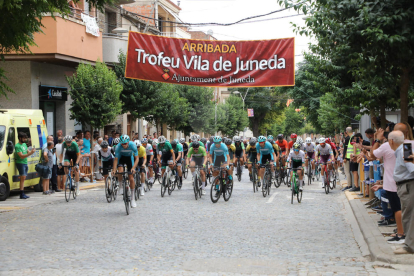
20	158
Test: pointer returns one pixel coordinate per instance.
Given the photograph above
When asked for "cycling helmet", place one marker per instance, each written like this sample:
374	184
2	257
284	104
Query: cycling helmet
296	146
227	142
203	140
144	140
194	137
217	139
270	140
299	140
195	145
280	137
270	137
150	141
124	139
308	140
116	141
104	144
262	139
328	141
293	136
154	144
211	139
253	141
137	143
161	139
173	143
236	138
322	140
198	137
317	142
68	138
182	140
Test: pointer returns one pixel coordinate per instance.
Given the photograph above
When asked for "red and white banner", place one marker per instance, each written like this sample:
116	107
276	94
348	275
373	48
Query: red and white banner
211	63
250	112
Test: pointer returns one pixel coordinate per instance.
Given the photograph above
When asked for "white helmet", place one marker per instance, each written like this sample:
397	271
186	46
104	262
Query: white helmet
308	140
198	137
194	138
138	143
161	139
154	144
299	140
236	139
322	140
68	138
182	140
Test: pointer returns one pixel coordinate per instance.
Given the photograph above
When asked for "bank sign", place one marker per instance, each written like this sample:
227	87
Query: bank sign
52	93
211	63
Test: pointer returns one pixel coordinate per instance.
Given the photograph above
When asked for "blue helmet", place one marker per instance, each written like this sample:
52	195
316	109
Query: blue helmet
270	137
217	139
124	139
261	139
144	140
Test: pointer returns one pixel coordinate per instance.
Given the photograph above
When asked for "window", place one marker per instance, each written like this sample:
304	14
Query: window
2	135
160	27
27	131
12	136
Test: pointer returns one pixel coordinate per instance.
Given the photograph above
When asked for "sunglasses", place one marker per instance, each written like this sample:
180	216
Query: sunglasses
124	144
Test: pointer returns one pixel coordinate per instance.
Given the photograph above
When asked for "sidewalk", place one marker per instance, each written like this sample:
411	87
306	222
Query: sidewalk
36	198
375	236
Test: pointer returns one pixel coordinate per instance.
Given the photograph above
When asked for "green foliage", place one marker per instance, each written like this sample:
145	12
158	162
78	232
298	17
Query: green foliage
294	121
330	117
231	118
95	93
20	19
4	88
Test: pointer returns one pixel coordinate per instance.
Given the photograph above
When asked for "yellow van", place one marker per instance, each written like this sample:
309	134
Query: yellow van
13	121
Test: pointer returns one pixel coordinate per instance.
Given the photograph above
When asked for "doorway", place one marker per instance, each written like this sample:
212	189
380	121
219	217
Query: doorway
49	113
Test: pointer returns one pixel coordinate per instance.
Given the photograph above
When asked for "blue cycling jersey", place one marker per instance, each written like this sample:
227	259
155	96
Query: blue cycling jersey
219	151
267	149
131	150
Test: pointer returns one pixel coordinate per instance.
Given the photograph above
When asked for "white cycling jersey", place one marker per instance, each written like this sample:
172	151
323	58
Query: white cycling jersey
310	148
105	156
327	150
149	150
300	157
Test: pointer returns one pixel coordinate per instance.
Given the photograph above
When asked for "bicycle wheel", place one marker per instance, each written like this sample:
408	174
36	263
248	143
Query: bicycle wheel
269	181
67	189
277	180
75	190
185	171
170	186
228	190
215	189
299	196
309	177
264	185
331	182
137	186
164	185
239	171
179	182
126	197
327	183
108	189
200	190
115	187
254	178
293	188
195	187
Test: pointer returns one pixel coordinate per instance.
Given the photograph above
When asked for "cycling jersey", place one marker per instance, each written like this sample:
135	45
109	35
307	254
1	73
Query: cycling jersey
142	152
251	151
148	150
275	147
309	148
131	150
282	145
219	151
177	149
232	151
327	150
266	150
105	156
165	150
199	154
239	148
73	148
185	147
296	158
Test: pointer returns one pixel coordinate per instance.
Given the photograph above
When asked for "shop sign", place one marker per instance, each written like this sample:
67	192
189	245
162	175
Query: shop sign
52	93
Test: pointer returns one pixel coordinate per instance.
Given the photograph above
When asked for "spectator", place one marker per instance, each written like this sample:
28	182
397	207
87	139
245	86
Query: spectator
404	178
155	137
347	155
87	143
113	133
354	166
59	133
106	138
79	135
20	156
61	177
47	160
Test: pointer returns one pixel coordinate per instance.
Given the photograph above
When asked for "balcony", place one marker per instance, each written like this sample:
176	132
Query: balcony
111	44
63	41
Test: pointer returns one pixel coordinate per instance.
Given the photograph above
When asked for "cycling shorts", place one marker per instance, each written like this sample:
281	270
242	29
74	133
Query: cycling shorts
296	164
165	161
198	161
71	156
311	155
219	160
325	158
140	163
179	162
107	166
252	159
125	160
238	154
266	158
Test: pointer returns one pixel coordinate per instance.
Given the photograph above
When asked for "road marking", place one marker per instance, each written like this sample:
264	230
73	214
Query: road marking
271	198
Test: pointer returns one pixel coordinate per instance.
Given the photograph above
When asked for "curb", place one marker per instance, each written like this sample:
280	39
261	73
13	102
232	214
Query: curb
96	185
378	247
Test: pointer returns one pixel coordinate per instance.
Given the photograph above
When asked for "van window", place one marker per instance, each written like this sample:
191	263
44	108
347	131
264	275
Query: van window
2	135
27	131
12	136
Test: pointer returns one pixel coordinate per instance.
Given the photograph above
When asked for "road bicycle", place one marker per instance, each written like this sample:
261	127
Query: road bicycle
317	171
177	182
309	174
209	173
70	187
239	170
197	183
287	176
155	172
126	187
138	184
329	184
267	179
167	181
295	186
111	185
221	185
184	168
255	177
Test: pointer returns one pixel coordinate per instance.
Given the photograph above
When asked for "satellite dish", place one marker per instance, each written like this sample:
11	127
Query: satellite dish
210	32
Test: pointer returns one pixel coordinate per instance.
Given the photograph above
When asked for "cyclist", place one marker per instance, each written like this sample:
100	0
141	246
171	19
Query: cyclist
335	154
166	154
264	153
72	153
197	157
178	152
196	138
240	151
185	147
142	161
204	141
297	158
275	146
221	156
106	159
310	152
324	155
150	156
126	153
283	146
252	155
115	143
232	153
293	136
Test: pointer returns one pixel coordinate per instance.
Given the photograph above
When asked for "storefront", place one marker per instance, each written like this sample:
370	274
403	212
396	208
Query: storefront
51	98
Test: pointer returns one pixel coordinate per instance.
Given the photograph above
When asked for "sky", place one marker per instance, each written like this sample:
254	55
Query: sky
227	11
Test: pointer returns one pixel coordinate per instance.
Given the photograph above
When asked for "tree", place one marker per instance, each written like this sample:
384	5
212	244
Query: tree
26	17
95	93
200	109
331	117
231	118
294	121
